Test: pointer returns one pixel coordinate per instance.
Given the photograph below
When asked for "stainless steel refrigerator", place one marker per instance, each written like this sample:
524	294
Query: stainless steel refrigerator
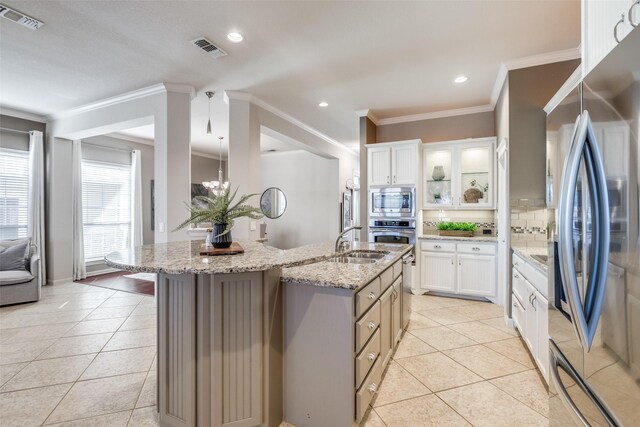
594	286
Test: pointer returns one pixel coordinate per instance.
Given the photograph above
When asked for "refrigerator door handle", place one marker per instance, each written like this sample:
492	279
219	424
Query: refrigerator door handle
557	360
585	317
568	185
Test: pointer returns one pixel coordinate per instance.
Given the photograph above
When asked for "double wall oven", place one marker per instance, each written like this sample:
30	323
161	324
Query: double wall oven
392	215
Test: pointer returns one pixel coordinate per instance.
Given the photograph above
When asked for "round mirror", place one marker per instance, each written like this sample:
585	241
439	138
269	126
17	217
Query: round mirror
273	202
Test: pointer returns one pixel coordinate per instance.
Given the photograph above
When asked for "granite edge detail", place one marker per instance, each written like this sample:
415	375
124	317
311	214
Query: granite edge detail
525	253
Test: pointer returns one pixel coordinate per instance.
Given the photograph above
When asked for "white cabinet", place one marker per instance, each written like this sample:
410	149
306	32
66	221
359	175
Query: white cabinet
460	174
463	268
530	312
394	163
600	20
379	165
438	271
477	275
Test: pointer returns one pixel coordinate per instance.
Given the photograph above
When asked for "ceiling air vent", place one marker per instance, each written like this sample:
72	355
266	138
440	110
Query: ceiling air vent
20	18
208	47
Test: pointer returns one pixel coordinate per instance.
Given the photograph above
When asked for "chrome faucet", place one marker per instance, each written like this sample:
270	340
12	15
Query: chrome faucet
340	243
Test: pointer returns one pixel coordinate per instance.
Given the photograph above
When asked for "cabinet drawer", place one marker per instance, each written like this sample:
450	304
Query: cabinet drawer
475	248
531	274
438	246
368	389
519	288
518	315
367	357
366	326
367	296
386	279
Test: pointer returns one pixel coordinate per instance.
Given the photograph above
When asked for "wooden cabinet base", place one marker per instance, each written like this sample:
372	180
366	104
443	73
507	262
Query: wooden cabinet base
220	349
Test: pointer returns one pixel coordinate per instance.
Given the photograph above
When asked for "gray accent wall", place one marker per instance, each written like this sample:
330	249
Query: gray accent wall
475	125
529	90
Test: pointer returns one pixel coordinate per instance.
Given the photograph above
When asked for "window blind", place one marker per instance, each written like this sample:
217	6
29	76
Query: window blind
14	193
106	208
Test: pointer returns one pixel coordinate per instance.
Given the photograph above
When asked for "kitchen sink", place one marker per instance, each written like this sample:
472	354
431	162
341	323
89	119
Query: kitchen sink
542	258
352	260
363	254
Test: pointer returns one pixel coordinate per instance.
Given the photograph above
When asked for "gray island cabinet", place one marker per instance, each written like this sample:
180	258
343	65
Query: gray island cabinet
223	338
340	331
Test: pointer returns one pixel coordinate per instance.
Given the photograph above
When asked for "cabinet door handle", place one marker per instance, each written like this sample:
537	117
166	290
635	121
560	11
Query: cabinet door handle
371	295
635	3
394	179
515	264
371	325
476	248
371	357
532	303
437	246
373	388
459	262
615	29
515	305
516	276
530	296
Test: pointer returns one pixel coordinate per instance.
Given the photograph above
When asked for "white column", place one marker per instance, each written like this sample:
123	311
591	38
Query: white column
244	156
172	166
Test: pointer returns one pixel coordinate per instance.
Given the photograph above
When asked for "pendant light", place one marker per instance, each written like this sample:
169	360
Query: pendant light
210	95
217	187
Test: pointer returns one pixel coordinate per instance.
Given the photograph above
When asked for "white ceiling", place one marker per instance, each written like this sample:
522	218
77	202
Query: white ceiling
394	58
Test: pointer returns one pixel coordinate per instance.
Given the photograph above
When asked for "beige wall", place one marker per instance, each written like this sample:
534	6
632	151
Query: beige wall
529	90
442	129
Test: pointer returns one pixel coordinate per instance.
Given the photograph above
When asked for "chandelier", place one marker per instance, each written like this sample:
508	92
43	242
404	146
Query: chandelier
216	187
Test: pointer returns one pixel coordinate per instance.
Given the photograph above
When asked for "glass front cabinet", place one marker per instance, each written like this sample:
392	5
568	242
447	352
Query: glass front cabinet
460	174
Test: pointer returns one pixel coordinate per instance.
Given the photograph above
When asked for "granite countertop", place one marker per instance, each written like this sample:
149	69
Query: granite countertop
490	239
526	253
346	276
184	257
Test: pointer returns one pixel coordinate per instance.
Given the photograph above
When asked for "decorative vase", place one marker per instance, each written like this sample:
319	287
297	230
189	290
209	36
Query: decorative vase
220	242
438	173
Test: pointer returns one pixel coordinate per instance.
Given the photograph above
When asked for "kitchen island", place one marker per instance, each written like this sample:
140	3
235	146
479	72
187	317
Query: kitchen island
224	323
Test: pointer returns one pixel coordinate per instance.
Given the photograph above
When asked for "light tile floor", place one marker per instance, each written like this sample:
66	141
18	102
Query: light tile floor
460	365
81	356
86	356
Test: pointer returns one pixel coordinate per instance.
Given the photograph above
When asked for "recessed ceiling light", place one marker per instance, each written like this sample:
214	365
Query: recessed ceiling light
323	104
235	37
461	79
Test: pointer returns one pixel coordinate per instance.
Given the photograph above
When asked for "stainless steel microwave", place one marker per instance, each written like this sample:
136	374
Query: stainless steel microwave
393	202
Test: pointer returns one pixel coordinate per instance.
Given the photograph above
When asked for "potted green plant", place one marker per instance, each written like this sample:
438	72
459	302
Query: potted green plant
221	211
459	229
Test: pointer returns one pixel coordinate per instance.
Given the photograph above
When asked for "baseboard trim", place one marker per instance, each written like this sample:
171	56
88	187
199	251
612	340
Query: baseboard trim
59	281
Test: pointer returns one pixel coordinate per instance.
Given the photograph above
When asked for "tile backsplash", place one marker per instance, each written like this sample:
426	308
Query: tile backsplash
529	219
484	220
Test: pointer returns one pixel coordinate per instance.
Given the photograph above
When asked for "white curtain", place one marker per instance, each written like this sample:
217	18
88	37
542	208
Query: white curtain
136	198
77	249
36	198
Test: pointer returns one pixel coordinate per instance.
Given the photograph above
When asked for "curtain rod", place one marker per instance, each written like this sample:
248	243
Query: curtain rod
107	148
15	130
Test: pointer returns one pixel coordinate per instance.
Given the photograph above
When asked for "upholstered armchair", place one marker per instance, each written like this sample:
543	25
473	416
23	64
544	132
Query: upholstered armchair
19	282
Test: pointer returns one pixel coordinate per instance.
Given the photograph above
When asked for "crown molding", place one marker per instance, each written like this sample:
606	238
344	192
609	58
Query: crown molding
436	115
6	111
237	95
131	138
573	80
543	58
262	104
368	113
126	97
503	72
